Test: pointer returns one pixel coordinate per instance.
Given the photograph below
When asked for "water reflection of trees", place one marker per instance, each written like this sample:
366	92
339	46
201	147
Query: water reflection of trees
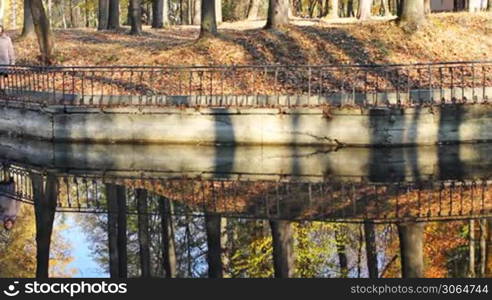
224	228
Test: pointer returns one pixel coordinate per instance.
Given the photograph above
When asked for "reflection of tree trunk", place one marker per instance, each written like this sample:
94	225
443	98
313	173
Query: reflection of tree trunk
112	230
371	251
168	249
283	248
116	197
411	249
122	252
488	254
143	232
471	253
483	246
44	208
342	253
213	228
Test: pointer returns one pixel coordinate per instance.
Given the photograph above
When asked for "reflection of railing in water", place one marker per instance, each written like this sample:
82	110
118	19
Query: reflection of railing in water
329	200
257	85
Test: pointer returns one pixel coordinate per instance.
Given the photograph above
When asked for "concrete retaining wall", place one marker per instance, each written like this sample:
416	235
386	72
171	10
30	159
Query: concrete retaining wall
330	125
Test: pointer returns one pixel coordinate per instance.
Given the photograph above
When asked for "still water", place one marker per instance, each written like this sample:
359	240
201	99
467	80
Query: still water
77	210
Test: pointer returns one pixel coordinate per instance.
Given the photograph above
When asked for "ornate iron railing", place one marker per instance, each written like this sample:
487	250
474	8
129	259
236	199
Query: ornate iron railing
249	86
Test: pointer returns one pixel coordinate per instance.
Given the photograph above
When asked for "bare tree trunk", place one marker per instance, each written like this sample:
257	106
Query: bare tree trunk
103	16
14	14
43	31
412	14
387	11
411	249
2	11
197	12
114	14
44	208
157	13
283	248
208	18
278	13
333	13
254	7
371	251
28	26
168	248
427	7
472	250
214	252
218	11
136	17
143	232
364	12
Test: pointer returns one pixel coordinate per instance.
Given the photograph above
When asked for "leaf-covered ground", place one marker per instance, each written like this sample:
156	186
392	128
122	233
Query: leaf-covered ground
446	37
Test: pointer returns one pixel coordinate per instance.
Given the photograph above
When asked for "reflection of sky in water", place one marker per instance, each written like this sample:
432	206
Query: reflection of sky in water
83	262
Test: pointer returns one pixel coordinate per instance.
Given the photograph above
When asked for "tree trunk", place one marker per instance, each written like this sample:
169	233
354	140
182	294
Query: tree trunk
350	8
427	7
143	232
197	12
44	209
471	251
411	249
254	7
43	31
112	199
218	11
387	11
157	13
208	19
103	16
28	26
489	5
371	250
364	12
278	14
136	17
283	248
333	13
168	248
2	11
412	14
114	14
214	252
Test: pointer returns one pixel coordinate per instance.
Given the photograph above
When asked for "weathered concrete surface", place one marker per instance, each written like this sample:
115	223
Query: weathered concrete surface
288	126
332	124
311	164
